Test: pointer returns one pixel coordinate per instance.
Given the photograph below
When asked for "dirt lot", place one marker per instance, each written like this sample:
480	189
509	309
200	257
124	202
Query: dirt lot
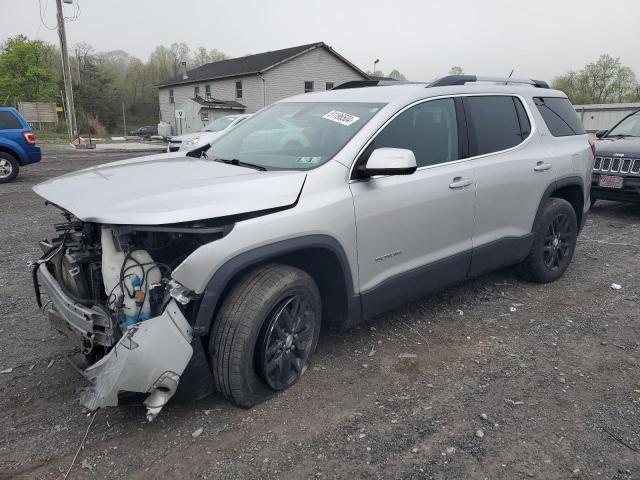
509	380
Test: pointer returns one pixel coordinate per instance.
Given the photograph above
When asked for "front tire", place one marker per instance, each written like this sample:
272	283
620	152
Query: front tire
9	167
265	333
555	234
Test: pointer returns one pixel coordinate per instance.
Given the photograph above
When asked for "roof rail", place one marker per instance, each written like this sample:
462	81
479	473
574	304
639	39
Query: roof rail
462	79
372	83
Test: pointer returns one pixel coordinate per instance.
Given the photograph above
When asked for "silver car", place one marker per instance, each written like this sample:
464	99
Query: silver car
221	274
211	132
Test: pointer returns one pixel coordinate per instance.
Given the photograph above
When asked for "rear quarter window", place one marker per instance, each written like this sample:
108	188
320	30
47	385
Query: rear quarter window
560	116
9	121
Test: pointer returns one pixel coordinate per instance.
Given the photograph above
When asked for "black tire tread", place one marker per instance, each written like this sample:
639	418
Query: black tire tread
529	268
231	330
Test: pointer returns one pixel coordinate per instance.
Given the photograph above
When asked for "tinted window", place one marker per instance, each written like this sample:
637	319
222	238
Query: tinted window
525	124
429	130
559	115
8	120
494	124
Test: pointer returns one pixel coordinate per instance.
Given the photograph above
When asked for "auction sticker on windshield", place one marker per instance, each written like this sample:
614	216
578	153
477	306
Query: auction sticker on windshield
342	118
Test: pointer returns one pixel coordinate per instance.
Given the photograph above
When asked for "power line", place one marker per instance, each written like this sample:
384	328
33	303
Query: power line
42	13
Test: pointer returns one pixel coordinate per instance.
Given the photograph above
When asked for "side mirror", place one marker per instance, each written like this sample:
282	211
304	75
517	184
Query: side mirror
601	133
389	161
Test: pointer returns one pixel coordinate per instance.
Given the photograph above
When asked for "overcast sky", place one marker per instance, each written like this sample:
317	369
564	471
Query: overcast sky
422	39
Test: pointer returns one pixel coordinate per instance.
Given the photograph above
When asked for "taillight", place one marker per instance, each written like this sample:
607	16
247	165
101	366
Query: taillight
30	137
592	144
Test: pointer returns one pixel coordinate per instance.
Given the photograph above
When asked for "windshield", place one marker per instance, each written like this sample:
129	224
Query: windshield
295	136
219	124
629	127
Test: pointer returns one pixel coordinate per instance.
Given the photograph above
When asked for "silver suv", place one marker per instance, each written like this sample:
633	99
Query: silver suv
216	270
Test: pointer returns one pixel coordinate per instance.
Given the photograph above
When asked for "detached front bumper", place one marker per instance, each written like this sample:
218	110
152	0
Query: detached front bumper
149	358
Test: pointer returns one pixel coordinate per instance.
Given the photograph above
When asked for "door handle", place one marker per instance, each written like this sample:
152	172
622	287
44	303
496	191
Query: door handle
460	182
542	166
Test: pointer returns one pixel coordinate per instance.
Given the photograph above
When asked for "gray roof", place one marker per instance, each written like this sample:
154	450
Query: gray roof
251	64
211	102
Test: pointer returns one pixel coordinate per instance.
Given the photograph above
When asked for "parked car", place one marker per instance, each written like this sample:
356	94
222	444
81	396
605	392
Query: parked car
616	170
17	144
214	130
146	131
221	273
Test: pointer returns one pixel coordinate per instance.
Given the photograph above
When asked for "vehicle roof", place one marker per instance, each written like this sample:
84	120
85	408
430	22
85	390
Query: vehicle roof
410	92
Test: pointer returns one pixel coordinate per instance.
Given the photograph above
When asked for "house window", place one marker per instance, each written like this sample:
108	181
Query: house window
196	91
238	89
204	116
328	85
171	95
207	90
308	87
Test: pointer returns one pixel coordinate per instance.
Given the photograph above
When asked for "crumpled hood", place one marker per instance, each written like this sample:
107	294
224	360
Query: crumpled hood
624	147
169	188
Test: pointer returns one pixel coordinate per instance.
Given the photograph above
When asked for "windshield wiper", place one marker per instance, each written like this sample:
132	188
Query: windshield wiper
238	163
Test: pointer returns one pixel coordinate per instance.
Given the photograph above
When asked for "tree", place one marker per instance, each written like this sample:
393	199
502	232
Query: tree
396	75
604	81
27	71
201	56
455	70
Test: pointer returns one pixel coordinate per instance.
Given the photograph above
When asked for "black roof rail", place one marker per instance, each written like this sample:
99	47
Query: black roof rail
372	83
462	79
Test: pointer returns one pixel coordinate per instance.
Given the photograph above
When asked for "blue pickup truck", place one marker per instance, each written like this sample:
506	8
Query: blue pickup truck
17	144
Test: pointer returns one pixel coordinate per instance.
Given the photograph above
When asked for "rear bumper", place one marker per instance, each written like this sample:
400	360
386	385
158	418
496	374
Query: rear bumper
149	358
32	154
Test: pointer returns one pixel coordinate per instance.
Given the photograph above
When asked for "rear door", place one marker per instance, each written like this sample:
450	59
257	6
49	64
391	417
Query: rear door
512	173
414	231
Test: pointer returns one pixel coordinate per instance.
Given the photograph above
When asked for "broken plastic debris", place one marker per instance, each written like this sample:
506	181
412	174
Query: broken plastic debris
197	432
7	370
512	309
615	286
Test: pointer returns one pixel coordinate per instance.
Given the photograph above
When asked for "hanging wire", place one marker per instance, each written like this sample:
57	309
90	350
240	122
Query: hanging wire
42	14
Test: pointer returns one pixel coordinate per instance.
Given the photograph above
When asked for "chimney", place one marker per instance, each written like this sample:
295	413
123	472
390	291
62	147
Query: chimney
183	66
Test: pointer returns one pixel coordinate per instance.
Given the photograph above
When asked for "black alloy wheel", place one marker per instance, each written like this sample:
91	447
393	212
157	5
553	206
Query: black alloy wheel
286	342
558	242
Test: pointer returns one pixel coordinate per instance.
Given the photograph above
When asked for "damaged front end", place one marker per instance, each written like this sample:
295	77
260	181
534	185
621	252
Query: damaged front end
109	289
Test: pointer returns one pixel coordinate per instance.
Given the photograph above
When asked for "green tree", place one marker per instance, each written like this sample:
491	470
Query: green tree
456	70
603	81
396	75
27	71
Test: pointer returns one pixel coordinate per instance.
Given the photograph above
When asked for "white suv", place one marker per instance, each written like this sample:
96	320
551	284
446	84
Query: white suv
221	273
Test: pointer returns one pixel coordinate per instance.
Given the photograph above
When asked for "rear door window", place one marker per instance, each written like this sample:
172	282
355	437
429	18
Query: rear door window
560	116
9	121
496	123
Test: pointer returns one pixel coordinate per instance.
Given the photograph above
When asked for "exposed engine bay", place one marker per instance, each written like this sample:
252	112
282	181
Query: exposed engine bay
110	290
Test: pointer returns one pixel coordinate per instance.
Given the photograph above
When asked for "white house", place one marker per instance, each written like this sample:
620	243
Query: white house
247	84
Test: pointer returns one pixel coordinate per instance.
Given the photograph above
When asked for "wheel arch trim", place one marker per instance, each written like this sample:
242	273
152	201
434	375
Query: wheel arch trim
216	286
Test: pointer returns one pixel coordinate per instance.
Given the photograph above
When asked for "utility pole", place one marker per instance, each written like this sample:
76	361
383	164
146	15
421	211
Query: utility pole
124	121
66	72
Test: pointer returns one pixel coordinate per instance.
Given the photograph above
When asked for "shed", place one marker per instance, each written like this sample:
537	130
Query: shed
193	114
602	116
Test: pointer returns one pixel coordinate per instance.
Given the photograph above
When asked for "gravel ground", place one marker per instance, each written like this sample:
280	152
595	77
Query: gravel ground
495	378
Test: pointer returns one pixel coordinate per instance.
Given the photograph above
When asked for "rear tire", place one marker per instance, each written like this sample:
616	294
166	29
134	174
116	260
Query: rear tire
555	234
265	333
9	167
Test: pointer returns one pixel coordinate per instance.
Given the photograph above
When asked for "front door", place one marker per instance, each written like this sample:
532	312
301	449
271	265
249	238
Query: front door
414	231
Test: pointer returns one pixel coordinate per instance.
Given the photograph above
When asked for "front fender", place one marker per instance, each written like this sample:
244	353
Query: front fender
215	288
